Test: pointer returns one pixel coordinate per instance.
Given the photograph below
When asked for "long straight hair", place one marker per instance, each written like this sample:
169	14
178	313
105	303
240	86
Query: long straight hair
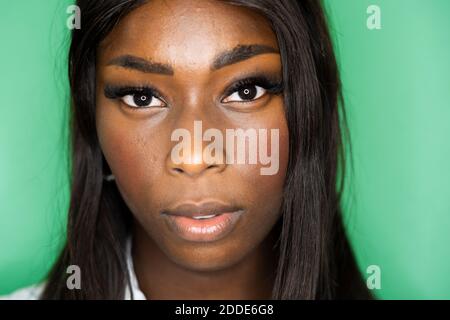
315	259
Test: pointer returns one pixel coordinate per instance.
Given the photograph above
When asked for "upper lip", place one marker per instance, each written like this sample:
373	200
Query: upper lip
189	209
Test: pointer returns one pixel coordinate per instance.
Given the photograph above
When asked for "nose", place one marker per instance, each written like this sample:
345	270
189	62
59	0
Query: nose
196	169
192	156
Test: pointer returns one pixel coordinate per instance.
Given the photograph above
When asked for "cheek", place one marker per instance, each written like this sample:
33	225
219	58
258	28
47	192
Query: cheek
135	154
263	193
264	182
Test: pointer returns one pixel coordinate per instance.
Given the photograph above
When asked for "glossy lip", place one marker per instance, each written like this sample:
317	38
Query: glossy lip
180	220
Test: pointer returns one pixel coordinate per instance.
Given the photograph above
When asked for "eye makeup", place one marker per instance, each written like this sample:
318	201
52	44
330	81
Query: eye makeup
115	92
271	84
139	97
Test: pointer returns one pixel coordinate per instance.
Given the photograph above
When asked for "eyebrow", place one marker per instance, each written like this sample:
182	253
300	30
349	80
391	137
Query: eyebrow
235	55
240	53
140	64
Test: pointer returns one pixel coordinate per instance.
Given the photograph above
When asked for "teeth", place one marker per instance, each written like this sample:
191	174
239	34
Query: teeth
204	217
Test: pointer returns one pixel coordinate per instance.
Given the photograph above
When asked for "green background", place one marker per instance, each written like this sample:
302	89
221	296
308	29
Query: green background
397	91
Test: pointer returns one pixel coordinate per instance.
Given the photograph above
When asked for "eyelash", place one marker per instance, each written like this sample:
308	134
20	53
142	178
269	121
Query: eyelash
119	92
269	84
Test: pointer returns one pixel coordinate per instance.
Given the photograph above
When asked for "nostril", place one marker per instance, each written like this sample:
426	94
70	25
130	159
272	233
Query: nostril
178	170
215	167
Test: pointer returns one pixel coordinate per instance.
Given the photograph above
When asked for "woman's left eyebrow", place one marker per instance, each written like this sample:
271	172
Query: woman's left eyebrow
240	53
235	55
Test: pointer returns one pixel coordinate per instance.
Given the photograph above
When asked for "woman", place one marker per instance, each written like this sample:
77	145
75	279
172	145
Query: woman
149	222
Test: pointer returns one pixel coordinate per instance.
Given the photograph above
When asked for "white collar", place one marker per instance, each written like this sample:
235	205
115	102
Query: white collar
137	292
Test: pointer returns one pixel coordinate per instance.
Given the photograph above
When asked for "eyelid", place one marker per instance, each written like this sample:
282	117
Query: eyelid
270	83
130	103
247	101
120	91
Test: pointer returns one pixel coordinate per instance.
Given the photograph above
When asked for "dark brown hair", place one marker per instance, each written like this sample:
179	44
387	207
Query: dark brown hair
315	259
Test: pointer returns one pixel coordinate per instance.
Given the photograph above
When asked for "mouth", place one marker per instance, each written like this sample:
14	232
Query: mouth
205	222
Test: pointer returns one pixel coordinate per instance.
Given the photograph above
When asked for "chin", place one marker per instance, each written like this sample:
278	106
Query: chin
207	257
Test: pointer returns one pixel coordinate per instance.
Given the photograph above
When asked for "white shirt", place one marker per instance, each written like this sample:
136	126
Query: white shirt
34	292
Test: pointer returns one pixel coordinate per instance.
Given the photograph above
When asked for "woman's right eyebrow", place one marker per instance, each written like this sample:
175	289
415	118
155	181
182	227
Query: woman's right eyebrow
140	64
237	54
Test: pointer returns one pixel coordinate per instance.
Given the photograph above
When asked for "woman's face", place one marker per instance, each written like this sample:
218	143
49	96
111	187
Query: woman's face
185	52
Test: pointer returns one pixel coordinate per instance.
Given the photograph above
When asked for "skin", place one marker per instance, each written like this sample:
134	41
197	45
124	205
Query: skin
188	35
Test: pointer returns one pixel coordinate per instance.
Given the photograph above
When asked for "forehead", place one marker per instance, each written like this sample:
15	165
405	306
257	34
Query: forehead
186	32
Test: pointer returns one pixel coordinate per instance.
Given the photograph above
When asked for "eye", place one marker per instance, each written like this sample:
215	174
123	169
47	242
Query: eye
252	88
136	97
246	93
142	100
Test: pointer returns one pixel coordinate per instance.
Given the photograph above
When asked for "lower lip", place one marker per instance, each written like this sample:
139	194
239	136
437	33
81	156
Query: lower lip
203	230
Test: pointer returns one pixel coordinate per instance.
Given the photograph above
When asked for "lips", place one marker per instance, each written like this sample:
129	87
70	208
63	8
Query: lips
204	222
195	210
